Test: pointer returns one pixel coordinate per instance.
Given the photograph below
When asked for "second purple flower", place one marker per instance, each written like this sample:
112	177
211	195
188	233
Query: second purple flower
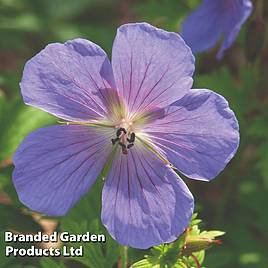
215	19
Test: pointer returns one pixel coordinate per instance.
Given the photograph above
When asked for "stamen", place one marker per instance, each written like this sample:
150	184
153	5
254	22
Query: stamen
114	141
123	137
119	131
132	138
122	145
130	145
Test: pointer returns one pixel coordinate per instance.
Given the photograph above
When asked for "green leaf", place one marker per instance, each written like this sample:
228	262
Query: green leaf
95	254
184	252
212	234
85	216
50	263
145	264
13	218
21	121
4	261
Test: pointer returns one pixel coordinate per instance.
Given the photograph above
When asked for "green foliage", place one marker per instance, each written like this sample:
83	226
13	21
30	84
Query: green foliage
187	251
95	255
15	219
48	263
86	217
18	121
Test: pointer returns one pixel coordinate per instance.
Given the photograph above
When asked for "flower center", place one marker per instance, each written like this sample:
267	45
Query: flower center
125	137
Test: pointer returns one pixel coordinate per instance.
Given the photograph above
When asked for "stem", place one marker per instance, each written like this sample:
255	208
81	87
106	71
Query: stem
186	263
198	265
123	257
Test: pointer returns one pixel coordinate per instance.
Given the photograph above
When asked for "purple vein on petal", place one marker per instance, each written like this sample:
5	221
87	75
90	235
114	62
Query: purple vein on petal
141	84
151	90
157	96
74	154
131	74
88	74
84	91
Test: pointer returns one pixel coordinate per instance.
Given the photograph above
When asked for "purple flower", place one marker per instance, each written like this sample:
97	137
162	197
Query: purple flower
139	115
212	19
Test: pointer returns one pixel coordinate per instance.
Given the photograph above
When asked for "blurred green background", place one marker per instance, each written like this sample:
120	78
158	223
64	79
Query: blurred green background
234	202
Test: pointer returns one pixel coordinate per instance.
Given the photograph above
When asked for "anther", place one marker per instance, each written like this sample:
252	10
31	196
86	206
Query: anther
114	141
130	145
122	136
119	131
122	145
132	138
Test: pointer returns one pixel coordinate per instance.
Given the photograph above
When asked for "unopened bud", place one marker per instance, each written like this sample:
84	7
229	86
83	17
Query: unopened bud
198	243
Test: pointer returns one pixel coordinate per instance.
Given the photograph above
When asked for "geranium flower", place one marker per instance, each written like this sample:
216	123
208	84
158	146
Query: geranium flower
136	120
212	20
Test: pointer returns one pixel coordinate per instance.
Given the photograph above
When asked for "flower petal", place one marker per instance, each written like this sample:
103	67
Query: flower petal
239	12
144	202
56	166
199	134
68	80
152	67
204	27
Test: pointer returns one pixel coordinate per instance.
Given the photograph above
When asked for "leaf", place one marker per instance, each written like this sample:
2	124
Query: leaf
84	217
183	252
21	121
212	234
50	263
4	261
195	220
95	254
23	22
145	264
13	218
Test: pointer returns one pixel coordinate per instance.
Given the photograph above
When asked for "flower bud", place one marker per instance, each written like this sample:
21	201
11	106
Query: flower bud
198	243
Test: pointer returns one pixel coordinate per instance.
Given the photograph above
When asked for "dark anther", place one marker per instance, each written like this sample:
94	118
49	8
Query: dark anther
132	138
122	145
119	138
119	131
130	145
114	141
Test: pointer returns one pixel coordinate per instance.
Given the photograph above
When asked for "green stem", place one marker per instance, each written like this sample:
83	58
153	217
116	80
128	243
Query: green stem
198	265
123	256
